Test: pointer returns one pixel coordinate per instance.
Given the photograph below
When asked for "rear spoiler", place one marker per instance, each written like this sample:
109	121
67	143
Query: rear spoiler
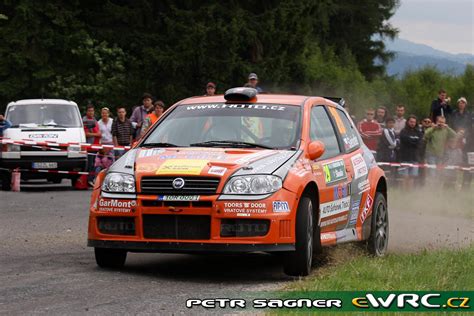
339	101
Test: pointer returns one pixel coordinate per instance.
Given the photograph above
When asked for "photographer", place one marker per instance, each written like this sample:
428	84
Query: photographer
440	106
436	138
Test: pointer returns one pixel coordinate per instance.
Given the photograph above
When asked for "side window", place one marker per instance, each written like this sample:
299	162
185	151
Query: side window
346	129
321	129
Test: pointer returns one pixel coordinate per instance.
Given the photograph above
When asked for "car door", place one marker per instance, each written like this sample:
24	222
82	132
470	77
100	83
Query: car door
334	190
356	165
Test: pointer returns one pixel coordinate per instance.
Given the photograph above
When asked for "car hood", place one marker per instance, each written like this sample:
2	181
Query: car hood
202	161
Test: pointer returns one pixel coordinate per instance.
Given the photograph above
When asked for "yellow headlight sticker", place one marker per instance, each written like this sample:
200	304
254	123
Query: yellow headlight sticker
182	166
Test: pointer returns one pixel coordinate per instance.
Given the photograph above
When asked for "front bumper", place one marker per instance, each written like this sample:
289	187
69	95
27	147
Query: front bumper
181	247
207	225
64	163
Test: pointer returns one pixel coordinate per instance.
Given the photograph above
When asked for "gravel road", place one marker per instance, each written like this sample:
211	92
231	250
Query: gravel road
45	266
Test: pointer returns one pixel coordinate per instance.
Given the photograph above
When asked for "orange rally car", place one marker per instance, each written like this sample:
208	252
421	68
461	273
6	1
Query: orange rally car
242	172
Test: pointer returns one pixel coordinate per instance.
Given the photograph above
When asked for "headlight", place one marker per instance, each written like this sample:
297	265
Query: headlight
119	182
13	147
258	184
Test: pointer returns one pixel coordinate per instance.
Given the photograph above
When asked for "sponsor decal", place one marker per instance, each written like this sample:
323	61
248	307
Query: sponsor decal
147	167
350	142
328	236
43	135
335	207
334	220
217	170
236	106
245	208
363	186
182	166
337	118
116	206
281	207
178	197
367	207
150	152
194	155
334	171
354	212
341	191
360	167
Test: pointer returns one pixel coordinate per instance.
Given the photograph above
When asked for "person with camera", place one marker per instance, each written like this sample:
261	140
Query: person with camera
436	138
440	106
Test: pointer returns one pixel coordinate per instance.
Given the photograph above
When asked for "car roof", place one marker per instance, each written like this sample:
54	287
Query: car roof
261	98
41	101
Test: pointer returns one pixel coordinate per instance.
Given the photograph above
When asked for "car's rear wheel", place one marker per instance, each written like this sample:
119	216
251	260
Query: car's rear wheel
308	242
378	239
110	258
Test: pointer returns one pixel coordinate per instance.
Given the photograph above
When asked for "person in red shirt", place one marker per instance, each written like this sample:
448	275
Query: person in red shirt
370	130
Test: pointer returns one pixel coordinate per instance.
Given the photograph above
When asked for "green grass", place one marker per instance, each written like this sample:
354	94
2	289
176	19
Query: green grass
350	269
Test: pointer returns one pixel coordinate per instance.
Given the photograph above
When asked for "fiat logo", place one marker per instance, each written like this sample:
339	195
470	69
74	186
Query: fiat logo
178	183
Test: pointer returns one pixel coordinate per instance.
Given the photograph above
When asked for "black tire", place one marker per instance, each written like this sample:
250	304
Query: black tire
110	258
74	181
299	262
6	181
378	239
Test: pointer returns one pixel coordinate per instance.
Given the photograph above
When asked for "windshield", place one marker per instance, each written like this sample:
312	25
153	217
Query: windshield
229	125
34	115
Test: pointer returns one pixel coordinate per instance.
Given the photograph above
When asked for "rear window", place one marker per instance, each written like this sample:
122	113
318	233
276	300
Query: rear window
34	115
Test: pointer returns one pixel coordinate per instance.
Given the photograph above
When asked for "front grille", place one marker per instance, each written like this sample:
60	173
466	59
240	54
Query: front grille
244	227
186	227
193	185
116	225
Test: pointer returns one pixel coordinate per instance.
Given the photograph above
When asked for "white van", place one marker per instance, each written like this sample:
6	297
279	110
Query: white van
43	120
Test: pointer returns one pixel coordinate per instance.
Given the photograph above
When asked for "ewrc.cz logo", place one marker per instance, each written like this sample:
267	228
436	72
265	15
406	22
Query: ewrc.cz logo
410	300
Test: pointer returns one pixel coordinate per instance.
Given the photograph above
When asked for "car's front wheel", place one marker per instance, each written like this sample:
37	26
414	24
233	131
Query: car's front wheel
110	258
299	262
378	240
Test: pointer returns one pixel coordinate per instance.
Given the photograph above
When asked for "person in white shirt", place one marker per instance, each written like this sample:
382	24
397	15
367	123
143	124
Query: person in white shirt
400	120
105	126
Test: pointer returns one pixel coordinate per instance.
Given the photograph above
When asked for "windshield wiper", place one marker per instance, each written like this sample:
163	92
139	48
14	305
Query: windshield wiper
229	143
159	145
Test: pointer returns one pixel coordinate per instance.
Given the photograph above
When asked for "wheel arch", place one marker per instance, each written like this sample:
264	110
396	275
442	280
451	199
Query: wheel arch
311	190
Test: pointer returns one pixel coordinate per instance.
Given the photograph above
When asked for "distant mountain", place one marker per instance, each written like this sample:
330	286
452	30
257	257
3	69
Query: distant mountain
411	56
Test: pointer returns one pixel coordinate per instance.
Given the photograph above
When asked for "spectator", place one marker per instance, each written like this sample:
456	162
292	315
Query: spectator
370	130
253	82
210	89
400	121
105	126
93	136
424	125
440	106
140	112
159	108
122	130
381	116
387	143
436	138
103	160
4	124
453	156
411	140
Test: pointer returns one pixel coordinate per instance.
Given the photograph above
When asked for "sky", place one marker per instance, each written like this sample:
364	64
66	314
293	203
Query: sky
446	25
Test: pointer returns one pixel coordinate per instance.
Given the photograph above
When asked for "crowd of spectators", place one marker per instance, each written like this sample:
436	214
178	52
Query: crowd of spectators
444	137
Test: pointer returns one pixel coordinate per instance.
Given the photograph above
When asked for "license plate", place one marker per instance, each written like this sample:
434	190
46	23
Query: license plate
45	165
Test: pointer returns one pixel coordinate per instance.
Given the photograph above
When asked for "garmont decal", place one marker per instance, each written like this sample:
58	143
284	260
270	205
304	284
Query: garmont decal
118	206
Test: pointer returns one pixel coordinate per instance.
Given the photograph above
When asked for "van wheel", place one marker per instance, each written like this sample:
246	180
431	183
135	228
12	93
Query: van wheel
299	262
6	181
378	239
110	258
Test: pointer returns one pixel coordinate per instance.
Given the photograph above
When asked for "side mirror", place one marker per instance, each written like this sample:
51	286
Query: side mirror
315	149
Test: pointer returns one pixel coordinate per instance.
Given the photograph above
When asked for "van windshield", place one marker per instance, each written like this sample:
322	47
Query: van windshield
34	115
